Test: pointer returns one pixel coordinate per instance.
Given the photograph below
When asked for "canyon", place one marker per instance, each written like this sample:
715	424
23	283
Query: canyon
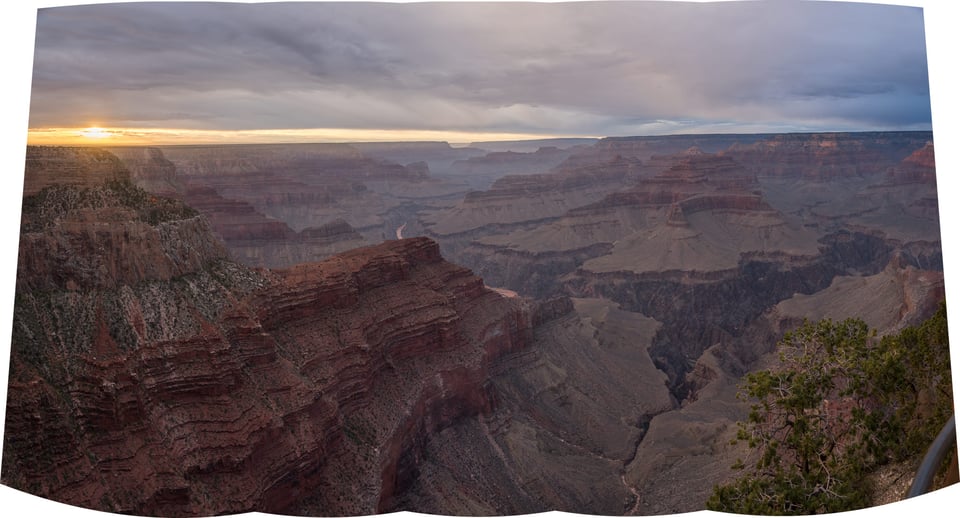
500	328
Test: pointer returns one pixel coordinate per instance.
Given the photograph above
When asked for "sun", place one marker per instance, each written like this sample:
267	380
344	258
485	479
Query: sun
96	132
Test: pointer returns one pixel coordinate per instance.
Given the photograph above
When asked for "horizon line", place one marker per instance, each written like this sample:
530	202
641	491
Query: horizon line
136	137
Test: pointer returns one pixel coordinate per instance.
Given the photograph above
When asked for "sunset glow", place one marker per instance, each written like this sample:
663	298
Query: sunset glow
96	133
97	136
501	73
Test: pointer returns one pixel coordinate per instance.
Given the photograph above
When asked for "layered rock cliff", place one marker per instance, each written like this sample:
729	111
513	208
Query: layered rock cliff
149	169
570	412
150	376
257	240
108	235
261	198
826	156
701	213
307	185
80	167
515	200
482	171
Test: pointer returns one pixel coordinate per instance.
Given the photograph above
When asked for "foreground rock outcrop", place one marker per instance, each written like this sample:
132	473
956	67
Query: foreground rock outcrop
151	381
74	166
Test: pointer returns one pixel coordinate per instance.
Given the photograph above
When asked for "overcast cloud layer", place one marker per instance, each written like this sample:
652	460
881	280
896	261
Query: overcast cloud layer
593	68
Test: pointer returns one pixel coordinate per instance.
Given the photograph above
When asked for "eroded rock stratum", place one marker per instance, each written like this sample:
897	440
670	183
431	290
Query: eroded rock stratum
159	368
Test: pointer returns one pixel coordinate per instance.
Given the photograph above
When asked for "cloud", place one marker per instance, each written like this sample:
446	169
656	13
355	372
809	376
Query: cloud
583	68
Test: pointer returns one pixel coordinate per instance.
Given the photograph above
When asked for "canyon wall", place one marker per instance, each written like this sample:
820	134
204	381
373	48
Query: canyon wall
151	376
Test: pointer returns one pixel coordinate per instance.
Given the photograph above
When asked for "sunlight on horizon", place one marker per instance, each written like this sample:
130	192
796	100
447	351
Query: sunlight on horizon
98	136
96	133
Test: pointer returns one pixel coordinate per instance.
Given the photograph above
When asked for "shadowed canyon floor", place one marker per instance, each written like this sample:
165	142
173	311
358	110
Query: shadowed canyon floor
287	328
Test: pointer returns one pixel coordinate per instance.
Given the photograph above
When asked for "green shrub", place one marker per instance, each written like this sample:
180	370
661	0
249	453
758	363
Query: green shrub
841	403
43	209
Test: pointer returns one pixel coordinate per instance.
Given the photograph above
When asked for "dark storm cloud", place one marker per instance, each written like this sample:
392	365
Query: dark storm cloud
582	68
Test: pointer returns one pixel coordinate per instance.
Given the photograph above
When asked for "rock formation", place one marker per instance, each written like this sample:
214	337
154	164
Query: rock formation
570	412
439	156
701	213
482	171
78	166
277	205
161	379
257	240
826	156
151	374
519	199
149	169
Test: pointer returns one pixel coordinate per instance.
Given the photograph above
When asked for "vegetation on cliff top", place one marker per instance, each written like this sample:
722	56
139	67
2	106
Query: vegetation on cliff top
841	403
53	203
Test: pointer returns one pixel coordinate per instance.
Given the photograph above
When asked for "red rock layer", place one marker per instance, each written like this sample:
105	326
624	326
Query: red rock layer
230	390
234	220
519	186
708	181
656	152
919	167
336	230
923	157
78	166
104	248
257	240
825	156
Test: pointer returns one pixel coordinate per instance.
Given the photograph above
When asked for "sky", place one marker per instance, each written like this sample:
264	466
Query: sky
175	73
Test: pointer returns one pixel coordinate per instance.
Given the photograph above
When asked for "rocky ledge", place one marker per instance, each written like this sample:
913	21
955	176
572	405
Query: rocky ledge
74	166
223	389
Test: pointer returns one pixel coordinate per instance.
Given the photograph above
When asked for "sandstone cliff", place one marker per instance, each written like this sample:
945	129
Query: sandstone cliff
254	239
701	213
150	376
825	156
570	412
518	199
300	184
80	167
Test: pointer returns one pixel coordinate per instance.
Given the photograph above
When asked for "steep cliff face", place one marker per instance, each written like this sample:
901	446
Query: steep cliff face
826	156
656	152
79	167
923	157
254	239
515	200
264	187
108	235
701	213
150	376
149	168
439	156
304	185
756	282
482	171
570	412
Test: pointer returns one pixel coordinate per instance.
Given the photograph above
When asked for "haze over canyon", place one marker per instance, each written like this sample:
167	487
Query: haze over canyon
340	259
348	329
